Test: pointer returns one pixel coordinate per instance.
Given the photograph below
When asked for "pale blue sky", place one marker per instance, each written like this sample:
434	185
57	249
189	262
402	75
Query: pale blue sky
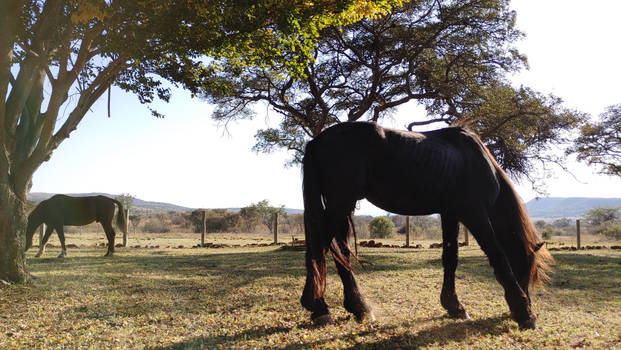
188	160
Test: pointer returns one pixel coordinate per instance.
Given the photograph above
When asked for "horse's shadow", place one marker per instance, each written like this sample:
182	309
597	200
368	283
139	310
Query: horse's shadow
457	331
439	335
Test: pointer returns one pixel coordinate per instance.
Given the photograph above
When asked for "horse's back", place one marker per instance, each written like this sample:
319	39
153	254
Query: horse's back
78	211
400	171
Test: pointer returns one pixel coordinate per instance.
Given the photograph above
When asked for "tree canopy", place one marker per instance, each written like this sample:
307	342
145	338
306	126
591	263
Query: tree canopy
599	142
62	55
452	57
601	215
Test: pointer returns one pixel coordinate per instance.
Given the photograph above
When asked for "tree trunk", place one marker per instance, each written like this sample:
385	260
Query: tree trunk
12	235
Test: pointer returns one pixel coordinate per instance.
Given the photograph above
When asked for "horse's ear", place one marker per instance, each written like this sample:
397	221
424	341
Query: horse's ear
539	245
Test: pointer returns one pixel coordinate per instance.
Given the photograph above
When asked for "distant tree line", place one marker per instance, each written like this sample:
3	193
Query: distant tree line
603	221
258	218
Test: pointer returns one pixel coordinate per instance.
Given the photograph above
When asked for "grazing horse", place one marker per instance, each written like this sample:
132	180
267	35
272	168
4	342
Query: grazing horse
61	210
447	171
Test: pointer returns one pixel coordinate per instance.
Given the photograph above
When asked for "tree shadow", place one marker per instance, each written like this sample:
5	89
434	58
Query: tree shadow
449	331
586	272
211	342
226	273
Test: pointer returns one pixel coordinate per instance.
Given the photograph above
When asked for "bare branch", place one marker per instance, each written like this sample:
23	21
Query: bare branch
427	122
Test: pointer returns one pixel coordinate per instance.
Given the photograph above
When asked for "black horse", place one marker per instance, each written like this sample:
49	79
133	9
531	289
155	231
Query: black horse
61	210
447	171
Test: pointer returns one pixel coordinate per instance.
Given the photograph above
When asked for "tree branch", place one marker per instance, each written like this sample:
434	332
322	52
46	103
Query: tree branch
427	122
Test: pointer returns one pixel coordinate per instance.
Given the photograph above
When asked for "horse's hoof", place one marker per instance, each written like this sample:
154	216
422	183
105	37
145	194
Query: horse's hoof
365	316
37	255
528	324
108	254
460	315
323	320
60	256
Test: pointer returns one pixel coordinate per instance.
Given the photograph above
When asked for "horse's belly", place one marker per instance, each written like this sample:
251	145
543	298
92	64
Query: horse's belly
405	202
80	219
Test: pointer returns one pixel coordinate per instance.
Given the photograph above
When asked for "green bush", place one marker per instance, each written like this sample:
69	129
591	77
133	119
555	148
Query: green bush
610	230
381	227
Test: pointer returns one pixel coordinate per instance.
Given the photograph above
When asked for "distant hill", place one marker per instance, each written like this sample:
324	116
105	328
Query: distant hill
138	204
569	207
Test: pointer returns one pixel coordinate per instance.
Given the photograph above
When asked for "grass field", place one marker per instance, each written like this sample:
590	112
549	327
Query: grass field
247	297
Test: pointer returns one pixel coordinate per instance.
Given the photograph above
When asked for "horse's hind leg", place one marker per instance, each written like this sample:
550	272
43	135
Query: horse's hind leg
517	300
353	300
313	295
110	234
61	237
448	297
46	237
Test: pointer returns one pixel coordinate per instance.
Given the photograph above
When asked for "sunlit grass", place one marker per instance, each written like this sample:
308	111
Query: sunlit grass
247	297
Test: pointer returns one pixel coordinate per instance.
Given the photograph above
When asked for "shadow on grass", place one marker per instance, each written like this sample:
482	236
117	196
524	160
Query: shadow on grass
211	342
152	276
449	331
251	264
570	271
455	331
586	272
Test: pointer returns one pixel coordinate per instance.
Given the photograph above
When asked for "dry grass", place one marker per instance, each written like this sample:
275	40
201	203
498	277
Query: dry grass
247	297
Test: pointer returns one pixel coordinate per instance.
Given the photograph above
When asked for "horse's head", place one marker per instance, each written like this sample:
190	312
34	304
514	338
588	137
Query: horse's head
530	264
33	223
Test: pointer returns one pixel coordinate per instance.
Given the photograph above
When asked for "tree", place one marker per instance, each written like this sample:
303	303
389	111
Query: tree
134	220
562	222
260	213
297	222
64	54
601	215
450	56
521	127
126	199
381	227
540	224
599	143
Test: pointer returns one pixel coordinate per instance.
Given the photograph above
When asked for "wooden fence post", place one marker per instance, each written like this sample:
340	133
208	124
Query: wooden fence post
407	231
204	228
578	233
275	228
41	233
126	230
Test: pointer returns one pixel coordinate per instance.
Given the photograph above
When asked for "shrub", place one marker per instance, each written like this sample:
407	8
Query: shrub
155	225
610	230
381	227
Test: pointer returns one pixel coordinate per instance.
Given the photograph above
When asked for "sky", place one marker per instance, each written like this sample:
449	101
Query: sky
189	160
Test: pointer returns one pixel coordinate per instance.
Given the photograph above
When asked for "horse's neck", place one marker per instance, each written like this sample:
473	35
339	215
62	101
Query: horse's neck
37	218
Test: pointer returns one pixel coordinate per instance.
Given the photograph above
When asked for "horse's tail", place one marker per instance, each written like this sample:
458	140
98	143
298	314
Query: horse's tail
316	225
314	220
514	228
121	219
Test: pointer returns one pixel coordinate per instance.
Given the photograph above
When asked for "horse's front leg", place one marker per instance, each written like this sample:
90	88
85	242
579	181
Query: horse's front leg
46	237
516	298
110	235
61	237
448	297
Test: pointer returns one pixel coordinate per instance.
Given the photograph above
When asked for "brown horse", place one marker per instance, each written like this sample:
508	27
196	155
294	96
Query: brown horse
61	210
447	171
